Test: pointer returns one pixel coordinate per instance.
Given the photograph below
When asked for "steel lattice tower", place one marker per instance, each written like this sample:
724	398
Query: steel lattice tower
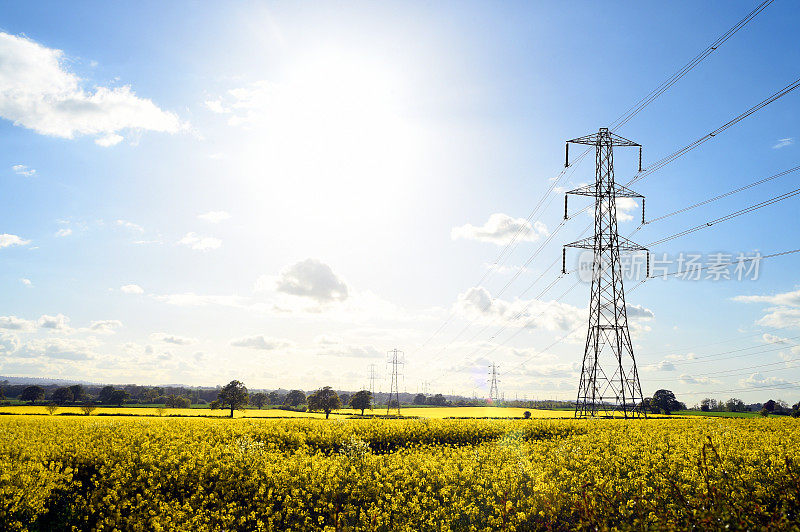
394	390
494	391
609	378
372	379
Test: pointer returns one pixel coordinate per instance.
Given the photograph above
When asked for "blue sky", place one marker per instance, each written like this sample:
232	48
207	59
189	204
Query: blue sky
282	192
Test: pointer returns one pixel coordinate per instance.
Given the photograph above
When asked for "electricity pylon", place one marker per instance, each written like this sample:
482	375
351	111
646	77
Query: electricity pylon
609	378
494	392
395	361
372	380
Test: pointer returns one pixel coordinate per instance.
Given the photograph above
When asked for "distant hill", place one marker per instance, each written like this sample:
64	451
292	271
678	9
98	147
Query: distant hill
43	381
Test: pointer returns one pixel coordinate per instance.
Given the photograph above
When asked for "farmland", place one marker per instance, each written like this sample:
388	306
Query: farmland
162	473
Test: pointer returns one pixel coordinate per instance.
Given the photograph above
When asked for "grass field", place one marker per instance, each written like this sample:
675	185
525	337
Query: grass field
202	474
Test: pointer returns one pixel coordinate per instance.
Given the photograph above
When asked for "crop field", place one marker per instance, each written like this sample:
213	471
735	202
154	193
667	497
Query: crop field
161	473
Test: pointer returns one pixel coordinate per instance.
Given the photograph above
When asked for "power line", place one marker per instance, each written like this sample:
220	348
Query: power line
727	217
741	261
780	386
689	147
725	195
669	82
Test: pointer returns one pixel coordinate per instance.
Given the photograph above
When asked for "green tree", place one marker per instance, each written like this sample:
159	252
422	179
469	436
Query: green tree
51	408
62	396
88	408
734	405
275	398
419	399
233	395
361	400
104	397
78	393
259	399
295	398
665	401
32	393
118	397
437	400
325	399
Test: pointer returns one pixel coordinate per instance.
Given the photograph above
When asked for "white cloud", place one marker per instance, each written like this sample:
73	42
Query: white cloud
105	326
786	298
38	92
131	289
785	313
310	278
214	216
639	312
130	225
64	231
17	324
353	351
7	240
260	342
772	339
758	380
624	207
215	106
665	365
781	318
26	282
477	303
500	229
200	243
782	143
172	339
689	379
21	169
60	348
111	139
57	322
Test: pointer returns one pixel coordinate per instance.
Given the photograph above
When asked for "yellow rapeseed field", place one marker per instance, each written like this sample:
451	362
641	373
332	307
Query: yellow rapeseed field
161	473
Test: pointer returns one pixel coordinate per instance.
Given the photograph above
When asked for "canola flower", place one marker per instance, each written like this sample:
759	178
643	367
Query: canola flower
94	473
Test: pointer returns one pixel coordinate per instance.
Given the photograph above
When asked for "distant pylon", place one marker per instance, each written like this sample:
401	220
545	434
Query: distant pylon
609	378
395	362
494	392
372	377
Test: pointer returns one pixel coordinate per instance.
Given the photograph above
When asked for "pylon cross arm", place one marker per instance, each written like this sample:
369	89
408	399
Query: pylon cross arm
597	139
591	190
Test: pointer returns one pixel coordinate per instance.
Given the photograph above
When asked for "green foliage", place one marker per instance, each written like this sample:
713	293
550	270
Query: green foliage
259	399
118	397
295	398
325	400
63	396
233	395
32	394
361	400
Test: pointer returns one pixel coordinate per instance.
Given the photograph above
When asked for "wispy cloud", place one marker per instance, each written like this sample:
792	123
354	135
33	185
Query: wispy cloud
782	143
21	169
200	243
131	289
130	225
7	240
500	229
